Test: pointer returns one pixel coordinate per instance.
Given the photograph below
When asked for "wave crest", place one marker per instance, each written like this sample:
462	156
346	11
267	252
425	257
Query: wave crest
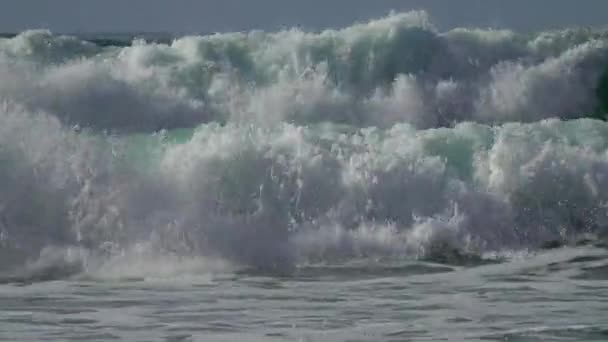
266	150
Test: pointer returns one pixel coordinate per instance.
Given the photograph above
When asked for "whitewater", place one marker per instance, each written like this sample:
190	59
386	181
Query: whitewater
381	182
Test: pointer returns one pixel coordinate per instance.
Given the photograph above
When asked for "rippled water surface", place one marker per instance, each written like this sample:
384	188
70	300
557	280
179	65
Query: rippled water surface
559	295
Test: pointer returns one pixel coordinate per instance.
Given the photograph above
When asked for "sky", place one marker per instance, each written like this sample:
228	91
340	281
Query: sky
206	16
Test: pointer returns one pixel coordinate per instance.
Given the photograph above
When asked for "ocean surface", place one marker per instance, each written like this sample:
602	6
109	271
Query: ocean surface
382	182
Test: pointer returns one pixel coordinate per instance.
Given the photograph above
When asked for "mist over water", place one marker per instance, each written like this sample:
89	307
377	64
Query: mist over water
272	150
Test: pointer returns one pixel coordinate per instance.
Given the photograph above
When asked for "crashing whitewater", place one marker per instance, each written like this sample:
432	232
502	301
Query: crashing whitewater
386	139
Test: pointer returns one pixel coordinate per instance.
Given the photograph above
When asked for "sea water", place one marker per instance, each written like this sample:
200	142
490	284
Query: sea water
381	182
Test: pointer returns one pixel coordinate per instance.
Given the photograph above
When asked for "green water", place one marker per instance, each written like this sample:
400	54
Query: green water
601	112
143	150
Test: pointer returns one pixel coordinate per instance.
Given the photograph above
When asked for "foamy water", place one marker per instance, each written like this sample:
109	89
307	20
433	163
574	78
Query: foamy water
300	175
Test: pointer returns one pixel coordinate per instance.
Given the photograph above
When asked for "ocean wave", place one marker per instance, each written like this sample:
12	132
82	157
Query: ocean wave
271	197
386	139
398	69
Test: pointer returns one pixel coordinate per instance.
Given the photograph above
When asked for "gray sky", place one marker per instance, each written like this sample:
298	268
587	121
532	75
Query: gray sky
190	16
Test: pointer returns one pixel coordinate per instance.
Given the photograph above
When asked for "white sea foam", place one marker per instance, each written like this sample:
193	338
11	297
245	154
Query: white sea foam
382	139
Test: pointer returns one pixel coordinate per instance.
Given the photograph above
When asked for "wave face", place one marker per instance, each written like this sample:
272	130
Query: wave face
268	150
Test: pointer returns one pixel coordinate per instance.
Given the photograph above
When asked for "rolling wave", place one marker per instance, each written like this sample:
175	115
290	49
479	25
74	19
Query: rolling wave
386	139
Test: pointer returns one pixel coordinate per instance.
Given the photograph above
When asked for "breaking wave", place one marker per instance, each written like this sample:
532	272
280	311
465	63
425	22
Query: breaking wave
387	139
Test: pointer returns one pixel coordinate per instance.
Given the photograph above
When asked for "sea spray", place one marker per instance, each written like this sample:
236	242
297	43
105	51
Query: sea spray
267	150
